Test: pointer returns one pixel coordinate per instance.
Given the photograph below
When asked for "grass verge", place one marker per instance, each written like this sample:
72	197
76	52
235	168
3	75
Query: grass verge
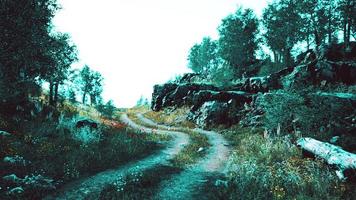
274	168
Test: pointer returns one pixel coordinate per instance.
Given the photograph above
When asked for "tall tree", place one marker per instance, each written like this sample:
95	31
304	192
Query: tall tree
315	20
24	28
90	84
283	26
239	39
347	12
202	57
62	53
96	89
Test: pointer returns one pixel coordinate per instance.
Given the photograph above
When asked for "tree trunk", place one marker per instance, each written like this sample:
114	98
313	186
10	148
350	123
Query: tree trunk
92	100
55	99
329	27
317	38
288	57
274	56
333	155
50	98
84	96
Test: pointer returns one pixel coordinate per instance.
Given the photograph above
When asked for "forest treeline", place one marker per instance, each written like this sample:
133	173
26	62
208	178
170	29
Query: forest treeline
286	28
34	54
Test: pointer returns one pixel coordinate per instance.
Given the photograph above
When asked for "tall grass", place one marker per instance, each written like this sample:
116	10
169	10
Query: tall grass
59	150
273	168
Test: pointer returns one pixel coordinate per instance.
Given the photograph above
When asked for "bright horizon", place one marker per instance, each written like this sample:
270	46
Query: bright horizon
136	44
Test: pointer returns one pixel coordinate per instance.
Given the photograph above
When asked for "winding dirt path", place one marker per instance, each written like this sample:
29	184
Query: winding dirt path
185	184
92	186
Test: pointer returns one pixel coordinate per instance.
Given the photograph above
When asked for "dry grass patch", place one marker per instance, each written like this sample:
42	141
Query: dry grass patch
171	117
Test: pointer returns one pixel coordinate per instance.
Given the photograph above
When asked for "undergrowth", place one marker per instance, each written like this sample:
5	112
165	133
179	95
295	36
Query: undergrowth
137	184
59	150
273	168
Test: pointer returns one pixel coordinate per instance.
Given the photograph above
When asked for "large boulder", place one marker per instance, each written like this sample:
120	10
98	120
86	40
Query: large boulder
159	92
214	113
240	98
221	108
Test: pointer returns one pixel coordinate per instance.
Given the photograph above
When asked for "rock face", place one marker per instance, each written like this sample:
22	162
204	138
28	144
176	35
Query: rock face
229	104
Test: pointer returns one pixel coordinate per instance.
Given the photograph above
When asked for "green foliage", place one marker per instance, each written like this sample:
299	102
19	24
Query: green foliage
263	168
305	113
142	101
90	83
238	40
203	57
283	28
24	34
107	110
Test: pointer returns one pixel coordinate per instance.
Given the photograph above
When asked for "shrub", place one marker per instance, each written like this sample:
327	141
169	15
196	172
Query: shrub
306	112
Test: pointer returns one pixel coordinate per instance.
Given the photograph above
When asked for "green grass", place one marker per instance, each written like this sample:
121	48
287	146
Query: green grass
55	153
189	155
138	185
273	168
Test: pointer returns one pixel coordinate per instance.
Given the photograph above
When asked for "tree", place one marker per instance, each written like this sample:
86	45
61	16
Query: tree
239	39
72	96
108	109
314	18
202	57
142	101
283	26
347	12
90	84
63	53
96	89
24	29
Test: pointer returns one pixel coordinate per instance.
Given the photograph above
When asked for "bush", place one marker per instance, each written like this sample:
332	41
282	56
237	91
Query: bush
306	112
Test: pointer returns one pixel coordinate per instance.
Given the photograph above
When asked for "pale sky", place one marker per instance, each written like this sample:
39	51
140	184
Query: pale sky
135	44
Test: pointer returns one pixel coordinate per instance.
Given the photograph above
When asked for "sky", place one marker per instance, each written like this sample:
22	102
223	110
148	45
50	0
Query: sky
136	44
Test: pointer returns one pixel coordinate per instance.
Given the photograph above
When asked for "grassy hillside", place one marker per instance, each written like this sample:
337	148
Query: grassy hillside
55	148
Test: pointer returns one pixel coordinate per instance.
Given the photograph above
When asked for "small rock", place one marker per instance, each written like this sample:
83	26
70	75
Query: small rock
200	149
16	190
4	134
86	123
12	178
334	139
16	161
219	183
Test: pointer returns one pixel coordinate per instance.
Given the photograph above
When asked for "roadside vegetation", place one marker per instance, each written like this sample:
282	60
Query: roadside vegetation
59	151
171	117
138	184
274	168
176	119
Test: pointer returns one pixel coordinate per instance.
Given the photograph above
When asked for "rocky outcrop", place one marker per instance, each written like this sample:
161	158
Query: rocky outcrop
177	95
213	105
86	123
218	112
